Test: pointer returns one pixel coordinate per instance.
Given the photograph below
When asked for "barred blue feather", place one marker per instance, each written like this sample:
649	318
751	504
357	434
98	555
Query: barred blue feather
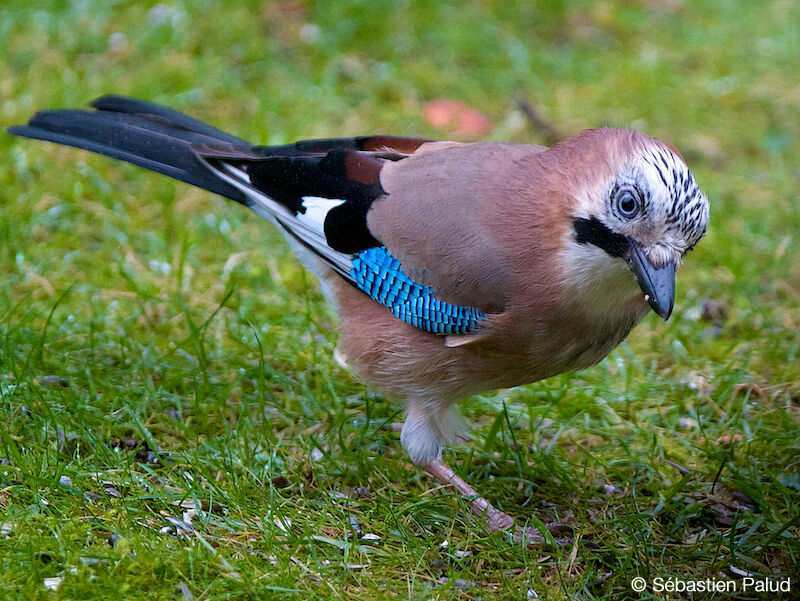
378	273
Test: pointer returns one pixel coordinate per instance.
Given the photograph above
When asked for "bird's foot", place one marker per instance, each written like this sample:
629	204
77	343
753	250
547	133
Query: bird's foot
463	438
560	534
494	519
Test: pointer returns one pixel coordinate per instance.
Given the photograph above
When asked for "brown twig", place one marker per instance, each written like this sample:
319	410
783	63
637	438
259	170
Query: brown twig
677	466
547	130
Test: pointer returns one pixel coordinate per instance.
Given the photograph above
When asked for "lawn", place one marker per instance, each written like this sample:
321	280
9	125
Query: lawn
174	423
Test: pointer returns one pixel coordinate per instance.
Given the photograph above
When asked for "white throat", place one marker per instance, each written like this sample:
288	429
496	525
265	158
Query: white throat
600	285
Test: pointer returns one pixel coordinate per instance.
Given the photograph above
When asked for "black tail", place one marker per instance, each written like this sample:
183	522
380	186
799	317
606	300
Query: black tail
142	133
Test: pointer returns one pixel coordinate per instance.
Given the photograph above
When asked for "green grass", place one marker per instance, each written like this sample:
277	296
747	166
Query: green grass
133	308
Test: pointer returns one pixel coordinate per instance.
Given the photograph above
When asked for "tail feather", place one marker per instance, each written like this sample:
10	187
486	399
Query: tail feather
318	192
160	140
168	116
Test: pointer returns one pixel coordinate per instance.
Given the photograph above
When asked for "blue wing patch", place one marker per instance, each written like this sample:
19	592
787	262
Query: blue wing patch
378	273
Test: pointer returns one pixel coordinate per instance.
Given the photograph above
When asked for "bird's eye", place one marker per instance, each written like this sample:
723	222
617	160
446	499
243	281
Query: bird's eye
627	203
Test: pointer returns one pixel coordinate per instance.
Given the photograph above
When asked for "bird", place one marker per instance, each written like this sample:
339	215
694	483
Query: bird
455	268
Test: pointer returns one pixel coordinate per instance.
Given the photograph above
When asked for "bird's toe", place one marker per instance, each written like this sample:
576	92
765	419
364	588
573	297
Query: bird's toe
496	520
561	535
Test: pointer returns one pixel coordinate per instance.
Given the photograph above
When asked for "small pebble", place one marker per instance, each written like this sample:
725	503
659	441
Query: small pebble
52	584
111	491
744	499
438	565
184	590
610	490
54	381
714	311
711	332
459	583
280	482
310	33
355	524
117	42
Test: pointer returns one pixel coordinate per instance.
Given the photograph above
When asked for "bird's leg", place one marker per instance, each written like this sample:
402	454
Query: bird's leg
493	518
460	437
415	433
423	435
425	430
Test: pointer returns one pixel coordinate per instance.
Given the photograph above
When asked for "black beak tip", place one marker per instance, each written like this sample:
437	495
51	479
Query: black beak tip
657	283
663	310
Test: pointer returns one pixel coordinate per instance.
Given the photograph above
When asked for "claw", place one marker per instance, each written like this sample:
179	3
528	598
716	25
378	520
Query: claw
532	536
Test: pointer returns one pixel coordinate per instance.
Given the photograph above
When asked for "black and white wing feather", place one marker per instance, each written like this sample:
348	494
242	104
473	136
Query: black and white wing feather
318	192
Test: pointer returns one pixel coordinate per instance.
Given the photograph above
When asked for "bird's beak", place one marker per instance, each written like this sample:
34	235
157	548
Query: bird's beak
658	284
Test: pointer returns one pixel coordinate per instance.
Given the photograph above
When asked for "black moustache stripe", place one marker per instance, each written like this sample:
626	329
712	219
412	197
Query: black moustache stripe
592	231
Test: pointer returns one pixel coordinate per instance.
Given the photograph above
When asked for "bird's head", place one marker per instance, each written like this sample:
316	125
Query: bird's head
644	209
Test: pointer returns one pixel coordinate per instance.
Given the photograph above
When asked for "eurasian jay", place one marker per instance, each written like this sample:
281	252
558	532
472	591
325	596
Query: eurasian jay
455	268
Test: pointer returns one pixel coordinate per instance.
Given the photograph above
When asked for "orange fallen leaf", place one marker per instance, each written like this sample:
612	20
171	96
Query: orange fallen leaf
455	116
